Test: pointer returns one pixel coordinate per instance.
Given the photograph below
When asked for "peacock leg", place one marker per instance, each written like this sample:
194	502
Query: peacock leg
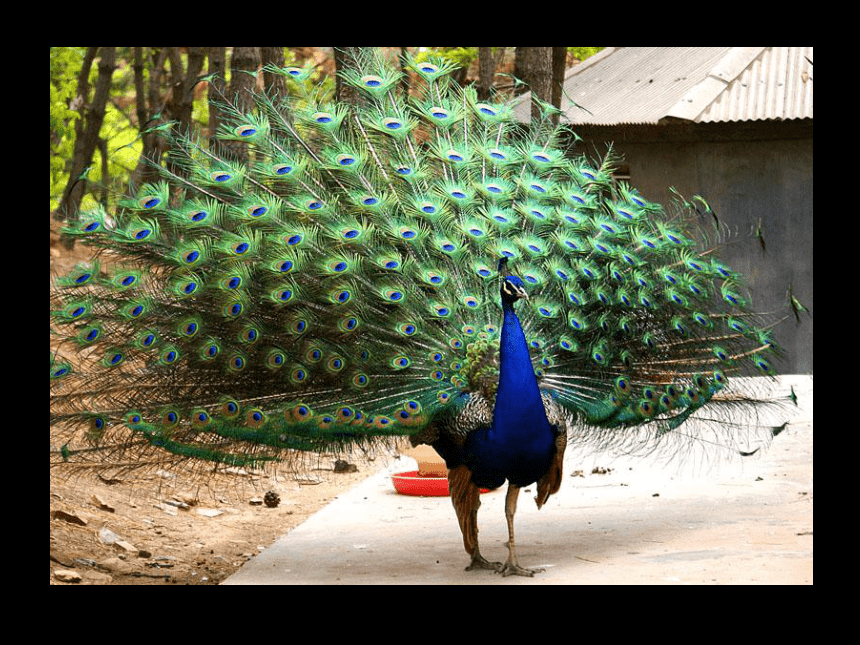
478	561
511	568
466	497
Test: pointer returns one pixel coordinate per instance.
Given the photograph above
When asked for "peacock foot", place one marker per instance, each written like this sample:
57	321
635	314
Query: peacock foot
480	562
513	569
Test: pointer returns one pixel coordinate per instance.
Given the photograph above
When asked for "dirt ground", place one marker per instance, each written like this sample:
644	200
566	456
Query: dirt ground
175	528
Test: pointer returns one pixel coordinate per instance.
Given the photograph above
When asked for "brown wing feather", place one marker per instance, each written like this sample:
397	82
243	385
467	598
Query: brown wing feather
466	498
551	480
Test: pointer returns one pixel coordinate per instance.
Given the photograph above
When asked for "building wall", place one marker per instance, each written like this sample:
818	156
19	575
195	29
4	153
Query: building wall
750	174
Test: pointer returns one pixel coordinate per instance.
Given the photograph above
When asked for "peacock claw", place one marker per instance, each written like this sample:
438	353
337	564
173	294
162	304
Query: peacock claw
480	562
513	569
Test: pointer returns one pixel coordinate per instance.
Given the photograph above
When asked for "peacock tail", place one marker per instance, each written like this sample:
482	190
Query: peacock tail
337	283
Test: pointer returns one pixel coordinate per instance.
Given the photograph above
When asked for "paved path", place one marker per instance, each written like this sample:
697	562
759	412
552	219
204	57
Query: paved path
645	522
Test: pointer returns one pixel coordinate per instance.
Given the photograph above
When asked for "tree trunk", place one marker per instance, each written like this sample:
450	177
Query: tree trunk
217	89
273	83
534	68
487	63
87	130
244	66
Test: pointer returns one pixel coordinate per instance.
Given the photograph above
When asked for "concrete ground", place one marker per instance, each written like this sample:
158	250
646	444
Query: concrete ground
646	521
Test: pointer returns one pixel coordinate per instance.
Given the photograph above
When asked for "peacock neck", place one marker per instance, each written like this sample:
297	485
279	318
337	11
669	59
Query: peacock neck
518	409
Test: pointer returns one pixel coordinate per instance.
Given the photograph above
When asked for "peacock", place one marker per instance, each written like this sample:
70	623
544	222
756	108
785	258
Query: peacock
415	265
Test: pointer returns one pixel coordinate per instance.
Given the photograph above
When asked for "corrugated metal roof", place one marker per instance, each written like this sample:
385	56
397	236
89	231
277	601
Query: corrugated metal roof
636	84
702	84
776	85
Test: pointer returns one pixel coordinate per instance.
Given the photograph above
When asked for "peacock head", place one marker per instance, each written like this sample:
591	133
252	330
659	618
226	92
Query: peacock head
513	287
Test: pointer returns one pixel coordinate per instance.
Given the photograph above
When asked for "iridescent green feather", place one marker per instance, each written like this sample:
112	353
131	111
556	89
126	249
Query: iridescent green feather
342	284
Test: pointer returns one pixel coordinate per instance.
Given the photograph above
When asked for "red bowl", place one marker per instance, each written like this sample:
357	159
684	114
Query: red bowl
411	483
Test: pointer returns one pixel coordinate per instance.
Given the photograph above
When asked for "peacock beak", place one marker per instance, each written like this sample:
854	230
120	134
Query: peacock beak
515	291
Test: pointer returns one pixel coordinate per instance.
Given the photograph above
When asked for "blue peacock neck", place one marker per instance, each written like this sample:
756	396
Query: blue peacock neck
518	409
519	444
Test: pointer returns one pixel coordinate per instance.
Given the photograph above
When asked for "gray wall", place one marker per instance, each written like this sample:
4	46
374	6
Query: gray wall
748	173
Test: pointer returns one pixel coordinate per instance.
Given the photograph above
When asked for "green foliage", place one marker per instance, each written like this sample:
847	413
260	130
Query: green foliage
65	67
584	52
118	128
463	56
